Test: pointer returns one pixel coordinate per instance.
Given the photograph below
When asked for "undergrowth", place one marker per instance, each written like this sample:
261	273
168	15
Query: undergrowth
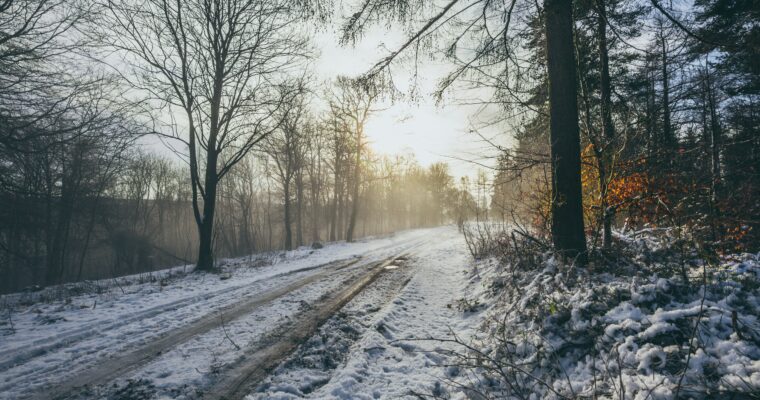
659	317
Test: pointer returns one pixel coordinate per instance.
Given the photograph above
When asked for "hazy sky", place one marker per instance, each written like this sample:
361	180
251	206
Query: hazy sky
432	132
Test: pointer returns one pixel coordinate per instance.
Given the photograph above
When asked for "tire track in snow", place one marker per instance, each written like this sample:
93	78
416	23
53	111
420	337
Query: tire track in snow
316	360
101	372
14	357
240	379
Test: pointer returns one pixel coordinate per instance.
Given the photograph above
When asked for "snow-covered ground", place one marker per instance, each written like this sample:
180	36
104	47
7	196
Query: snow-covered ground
378	346
48	345
664	319
631	327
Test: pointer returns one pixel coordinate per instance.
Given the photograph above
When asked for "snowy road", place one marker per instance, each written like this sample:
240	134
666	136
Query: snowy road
375	348
199	336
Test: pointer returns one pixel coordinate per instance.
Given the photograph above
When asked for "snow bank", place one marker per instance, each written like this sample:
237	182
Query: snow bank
630	328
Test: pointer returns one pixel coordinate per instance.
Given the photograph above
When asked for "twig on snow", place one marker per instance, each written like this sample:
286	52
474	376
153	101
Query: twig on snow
224	329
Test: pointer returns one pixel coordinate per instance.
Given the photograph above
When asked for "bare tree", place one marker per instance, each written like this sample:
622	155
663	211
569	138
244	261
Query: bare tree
352	105
42	79
315	165
286	148
221	66
337	134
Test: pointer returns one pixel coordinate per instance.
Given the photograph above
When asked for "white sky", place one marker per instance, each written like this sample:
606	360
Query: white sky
432	132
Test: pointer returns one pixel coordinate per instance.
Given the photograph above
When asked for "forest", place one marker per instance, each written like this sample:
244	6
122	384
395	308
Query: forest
611	225
82	198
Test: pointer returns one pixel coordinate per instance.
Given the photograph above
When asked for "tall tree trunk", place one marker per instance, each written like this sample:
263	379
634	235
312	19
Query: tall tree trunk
715	136
597	145
249	239
244	236
211	181
206	227
651	116
49	223
667	139
608	128
339	231
88	236
315	206
299	208
357	182
354	212
269	218
315	219
334	207
568	233
56	261
715	139
288	228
